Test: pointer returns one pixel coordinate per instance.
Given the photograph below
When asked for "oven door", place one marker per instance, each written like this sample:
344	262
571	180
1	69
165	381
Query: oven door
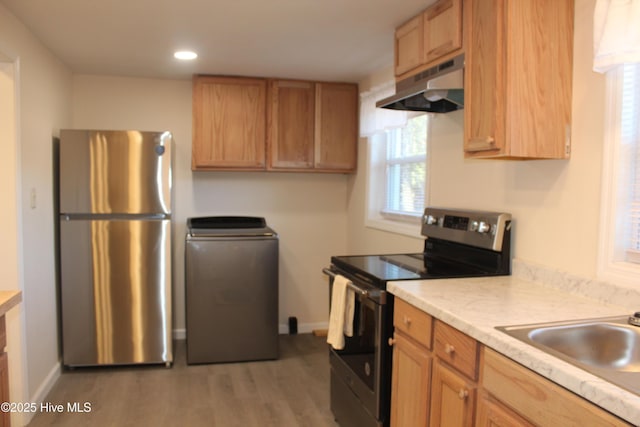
362	369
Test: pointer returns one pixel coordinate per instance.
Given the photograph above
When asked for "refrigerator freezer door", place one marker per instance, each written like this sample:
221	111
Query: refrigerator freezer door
115	172
116	292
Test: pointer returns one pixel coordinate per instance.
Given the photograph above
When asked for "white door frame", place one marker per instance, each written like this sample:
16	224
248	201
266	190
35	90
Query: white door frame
11	261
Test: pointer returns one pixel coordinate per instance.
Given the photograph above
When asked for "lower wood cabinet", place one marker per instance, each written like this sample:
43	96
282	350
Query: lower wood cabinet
410	383
452	398
433	376
5	416
443	378
537	399
492	413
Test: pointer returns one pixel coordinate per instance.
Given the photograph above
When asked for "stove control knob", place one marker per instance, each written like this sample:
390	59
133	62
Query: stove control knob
484	227
473	226
430	220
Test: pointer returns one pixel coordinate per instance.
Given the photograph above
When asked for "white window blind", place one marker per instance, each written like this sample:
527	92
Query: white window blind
616	43
630	136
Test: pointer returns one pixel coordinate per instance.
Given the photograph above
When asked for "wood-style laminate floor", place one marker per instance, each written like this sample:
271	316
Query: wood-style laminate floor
291	391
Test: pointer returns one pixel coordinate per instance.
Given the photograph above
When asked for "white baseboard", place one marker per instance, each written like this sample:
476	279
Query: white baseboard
283	329
43	390
303	328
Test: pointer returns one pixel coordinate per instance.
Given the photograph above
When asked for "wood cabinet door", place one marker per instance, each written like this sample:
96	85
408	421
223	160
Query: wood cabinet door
484	78
452	398
410	383
442	29
539	48
492	413
291	125
336	127
409	46
518	78
5	416
229	123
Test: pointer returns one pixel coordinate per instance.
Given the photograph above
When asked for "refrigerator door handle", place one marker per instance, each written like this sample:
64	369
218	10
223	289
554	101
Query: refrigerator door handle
126	217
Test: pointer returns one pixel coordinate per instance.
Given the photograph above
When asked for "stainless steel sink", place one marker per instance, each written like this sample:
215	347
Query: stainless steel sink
606	347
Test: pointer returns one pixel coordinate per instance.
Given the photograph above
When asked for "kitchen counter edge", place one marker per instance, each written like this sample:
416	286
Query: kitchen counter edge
8	300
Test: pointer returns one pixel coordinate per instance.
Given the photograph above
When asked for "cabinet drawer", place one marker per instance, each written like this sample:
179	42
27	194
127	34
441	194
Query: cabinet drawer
413	322
457	349
537	399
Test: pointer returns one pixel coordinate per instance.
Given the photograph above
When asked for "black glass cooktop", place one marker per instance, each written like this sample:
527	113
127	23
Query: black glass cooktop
417	266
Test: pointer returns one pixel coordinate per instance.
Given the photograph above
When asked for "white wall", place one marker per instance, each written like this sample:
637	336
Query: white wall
307	210
555	203
43	96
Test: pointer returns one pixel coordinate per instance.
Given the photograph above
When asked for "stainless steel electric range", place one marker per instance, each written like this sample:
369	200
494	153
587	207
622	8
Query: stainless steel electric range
458	243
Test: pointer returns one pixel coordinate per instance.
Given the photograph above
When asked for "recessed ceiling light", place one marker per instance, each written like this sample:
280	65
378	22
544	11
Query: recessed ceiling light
185	55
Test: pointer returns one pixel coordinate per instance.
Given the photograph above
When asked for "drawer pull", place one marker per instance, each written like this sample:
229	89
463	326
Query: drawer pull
463	393
391	342
407	321
449	349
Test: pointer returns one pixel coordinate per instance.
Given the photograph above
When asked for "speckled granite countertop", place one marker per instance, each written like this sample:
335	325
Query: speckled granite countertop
476	306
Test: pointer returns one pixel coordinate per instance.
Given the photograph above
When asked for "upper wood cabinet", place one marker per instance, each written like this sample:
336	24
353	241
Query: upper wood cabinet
428	38
336	127
313	126
244	123
229	123
442	29
409	46
518	78
291	124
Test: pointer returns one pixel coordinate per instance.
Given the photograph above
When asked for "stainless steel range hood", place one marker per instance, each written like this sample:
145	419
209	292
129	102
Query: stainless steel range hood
438	89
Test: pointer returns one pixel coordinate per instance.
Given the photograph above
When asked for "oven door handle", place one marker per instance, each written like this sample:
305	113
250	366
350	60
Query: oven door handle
350	284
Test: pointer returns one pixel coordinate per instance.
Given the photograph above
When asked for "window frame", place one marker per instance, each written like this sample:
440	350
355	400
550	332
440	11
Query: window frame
611	251
376	181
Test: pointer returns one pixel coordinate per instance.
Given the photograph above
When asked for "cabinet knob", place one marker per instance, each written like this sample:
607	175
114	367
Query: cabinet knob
391	342
480	144
449	349
463	393
407	320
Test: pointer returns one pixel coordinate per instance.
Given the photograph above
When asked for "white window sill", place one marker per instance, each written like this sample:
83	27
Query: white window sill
623	273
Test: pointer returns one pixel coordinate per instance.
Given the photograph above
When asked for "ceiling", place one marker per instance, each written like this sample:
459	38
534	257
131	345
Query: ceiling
331	40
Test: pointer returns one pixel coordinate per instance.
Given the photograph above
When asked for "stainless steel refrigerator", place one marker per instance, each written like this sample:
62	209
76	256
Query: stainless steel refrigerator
114	203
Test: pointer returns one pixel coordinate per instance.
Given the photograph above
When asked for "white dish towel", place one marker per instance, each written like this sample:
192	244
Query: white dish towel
341	313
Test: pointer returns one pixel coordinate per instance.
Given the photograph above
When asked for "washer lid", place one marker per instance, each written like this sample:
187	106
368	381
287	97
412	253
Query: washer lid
218	222
229	227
